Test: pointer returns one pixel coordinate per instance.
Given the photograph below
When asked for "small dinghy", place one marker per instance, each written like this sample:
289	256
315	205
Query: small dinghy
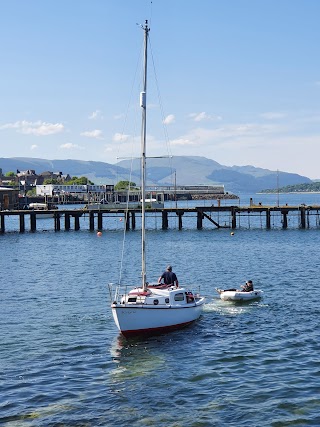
237	295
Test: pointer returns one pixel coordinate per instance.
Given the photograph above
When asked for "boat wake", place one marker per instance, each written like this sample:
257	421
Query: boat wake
231	307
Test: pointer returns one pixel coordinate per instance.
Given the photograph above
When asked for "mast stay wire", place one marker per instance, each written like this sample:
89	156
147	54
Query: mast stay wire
165	131
164	127
122	139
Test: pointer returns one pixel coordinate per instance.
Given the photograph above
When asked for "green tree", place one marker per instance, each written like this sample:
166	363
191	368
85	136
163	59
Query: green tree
9	174
124	185
298	188
83	180
49	181
31	193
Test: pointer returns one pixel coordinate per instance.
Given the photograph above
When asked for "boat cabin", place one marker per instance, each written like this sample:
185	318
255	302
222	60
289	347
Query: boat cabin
167	297
38	206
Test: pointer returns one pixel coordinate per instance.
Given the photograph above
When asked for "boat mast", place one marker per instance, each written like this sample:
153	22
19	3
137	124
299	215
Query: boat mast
143	105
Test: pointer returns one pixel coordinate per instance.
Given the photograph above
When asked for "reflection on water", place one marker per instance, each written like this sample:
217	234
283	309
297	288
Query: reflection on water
133	358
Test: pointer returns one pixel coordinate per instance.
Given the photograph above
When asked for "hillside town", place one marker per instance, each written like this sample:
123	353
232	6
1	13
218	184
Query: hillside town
18	189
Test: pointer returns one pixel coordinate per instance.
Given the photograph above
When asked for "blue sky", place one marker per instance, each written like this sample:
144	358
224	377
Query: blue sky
239	80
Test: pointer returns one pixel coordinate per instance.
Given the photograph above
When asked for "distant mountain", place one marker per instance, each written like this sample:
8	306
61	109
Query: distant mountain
182	170
193	170
243	182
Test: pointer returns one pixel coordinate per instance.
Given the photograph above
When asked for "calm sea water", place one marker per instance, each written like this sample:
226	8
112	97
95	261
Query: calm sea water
63	363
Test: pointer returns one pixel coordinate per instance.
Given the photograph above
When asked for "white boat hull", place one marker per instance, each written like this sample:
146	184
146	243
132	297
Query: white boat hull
42	210
240	296
146	319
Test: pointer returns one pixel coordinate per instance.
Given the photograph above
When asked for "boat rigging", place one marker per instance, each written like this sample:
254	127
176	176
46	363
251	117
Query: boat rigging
147	308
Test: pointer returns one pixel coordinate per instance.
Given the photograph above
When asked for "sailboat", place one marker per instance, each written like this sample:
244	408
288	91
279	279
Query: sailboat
152	309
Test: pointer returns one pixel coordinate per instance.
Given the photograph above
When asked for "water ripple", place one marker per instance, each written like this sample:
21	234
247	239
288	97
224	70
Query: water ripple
64	364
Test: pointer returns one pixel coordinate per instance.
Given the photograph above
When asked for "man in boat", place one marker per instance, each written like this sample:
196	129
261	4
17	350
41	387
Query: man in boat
169	277
248	287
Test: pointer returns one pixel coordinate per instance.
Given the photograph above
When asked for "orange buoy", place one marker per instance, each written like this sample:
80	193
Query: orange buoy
99	234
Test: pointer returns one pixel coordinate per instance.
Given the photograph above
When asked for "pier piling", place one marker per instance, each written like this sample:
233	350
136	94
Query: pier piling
284	219
33	222
133	220
268	219
303	217
165	220
100	226
180	214
21	222
91	221
77	222
199	220
234	218
57	225
127	219
67	222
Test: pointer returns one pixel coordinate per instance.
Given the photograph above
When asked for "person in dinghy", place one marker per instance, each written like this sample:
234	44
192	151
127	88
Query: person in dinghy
248	287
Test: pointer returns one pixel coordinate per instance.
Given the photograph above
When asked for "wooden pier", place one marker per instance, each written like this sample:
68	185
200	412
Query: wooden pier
231	217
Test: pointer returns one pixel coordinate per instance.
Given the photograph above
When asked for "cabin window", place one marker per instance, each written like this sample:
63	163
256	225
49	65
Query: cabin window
167	300
155	301
132	299
179	297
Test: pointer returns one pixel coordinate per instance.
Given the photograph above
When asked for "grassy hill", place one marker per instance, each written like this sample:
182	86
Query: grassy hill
182	170
314	187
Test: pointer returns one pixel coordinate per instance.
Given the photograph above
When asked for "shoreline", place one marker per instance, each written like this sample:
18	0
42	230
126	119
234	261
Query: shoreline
292	192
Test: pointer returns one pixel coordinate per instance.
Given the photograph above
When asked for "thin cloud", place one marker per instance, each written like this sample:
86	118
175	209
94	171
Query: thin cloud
33	147
236	130
95	115
203	116
311	119
97	134
118	116
70	146
15	125
273	115
169	119
120	137
38	128
183	142
201	136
